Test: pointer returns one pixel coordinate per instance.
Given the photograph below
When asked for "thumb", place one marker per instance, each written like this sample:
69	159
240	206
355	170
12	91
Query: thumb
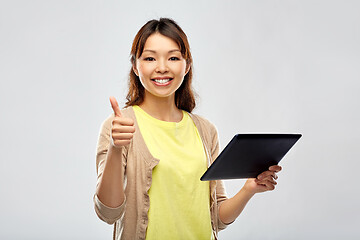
115	106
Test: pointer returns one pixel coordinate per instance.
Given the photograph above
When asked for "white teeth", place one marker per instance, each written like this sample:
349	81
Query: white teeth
162	81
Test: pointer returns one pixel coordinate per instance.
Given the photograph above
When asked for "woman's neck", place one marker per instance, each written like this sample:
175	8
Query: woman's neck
162	108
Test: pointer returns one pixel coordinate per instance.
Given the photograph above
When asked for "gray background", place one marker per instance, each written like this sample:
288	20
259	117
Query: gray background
260	66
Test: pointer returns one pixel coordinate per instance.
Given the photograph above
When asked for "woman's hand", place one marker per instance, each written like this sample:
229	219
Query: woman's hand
231	208
122	130
264	181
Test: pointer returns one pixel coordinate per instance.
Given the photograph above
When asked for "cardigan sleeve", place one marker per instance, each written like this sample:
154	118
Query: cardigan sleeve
221	194
105	213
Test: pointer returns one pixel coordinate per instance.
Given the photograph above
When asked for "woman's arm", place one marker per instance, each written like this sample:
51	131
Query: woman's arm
106	211
110	188
231	208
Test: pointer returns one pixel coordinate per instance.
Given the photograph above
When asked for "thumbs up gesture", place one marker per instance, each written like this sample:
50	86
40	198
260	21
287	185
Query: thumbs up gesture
123	129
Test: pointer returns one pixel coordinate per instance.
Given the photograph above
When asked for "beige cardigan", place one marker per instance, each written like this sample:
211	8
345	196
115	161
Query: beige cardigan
131	217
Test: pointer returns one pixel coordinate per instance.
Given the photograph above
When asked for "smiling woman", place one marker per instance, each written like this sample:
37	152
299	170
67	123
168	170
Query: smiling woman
152	153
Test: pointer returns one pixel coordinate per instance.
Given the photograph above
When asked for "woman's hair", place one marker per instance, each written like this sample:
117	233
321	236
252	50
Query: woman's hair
184	95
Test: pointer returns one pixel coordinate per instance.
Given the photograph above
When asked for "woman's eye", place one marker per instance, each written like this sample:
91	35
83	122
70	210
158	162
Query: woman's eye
149	59
174	58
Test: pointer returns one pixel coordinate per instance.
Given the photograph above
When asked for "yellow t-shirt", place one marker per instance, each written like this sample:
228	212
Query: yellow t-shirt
179	201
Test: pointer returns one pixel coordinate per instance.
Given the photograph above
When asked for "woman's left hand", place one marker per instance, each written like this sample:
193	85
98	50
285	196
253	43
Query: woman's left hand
265	181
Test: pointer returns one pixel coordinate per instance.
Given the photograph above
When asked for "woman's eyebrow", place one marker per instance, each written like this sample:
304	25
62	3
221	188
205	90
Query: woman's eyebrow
153	51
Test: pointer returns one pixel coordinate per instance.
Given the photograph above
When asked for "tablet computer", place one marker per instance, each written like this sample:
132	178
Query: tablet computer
248	155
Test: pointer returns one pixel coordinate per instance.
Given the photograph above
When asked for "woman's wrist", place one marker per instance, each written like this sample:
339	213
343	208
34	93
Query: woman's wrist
114	153
247	191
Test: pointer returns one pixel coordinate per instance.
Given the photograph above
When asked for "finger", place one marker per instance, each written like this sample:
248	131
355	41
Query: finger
115	106
263	175
119	143
267	179
123	121
267	184
270	186
122	136
123	129
275	176
275	168
272	175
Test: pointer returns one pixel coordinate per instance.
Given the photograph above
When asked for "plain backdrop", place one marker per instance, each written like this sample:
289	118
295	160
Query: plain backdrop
260	66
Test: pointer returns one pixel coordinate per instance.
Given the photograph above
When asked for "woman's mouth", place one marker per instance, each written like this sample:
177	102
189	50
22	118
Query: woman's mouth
162	82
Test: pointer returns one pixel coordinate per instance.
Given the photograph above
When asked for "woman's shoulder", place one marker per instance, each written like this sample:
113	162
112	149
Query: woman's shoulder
203	122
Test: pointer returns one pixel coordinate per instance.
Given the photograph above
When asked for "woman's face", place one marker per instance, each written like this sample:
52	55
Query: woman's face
161	67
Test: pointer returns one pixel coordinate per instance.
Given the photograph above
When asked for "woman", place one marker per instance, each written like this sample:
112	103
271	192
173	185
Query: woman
152	153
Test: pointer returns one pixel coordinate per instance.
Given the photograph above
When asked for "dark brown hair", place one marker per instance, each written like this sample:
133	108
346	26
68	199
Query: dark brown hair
184	95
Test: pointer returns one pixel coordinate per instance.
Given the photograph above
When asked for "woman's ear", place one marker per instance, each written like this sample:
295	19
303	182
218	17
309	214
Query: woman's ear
187	68
135	69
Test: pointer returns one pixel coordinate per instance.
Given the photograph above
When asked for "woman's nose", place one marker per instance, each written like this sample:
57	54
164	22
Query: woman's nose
161	66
